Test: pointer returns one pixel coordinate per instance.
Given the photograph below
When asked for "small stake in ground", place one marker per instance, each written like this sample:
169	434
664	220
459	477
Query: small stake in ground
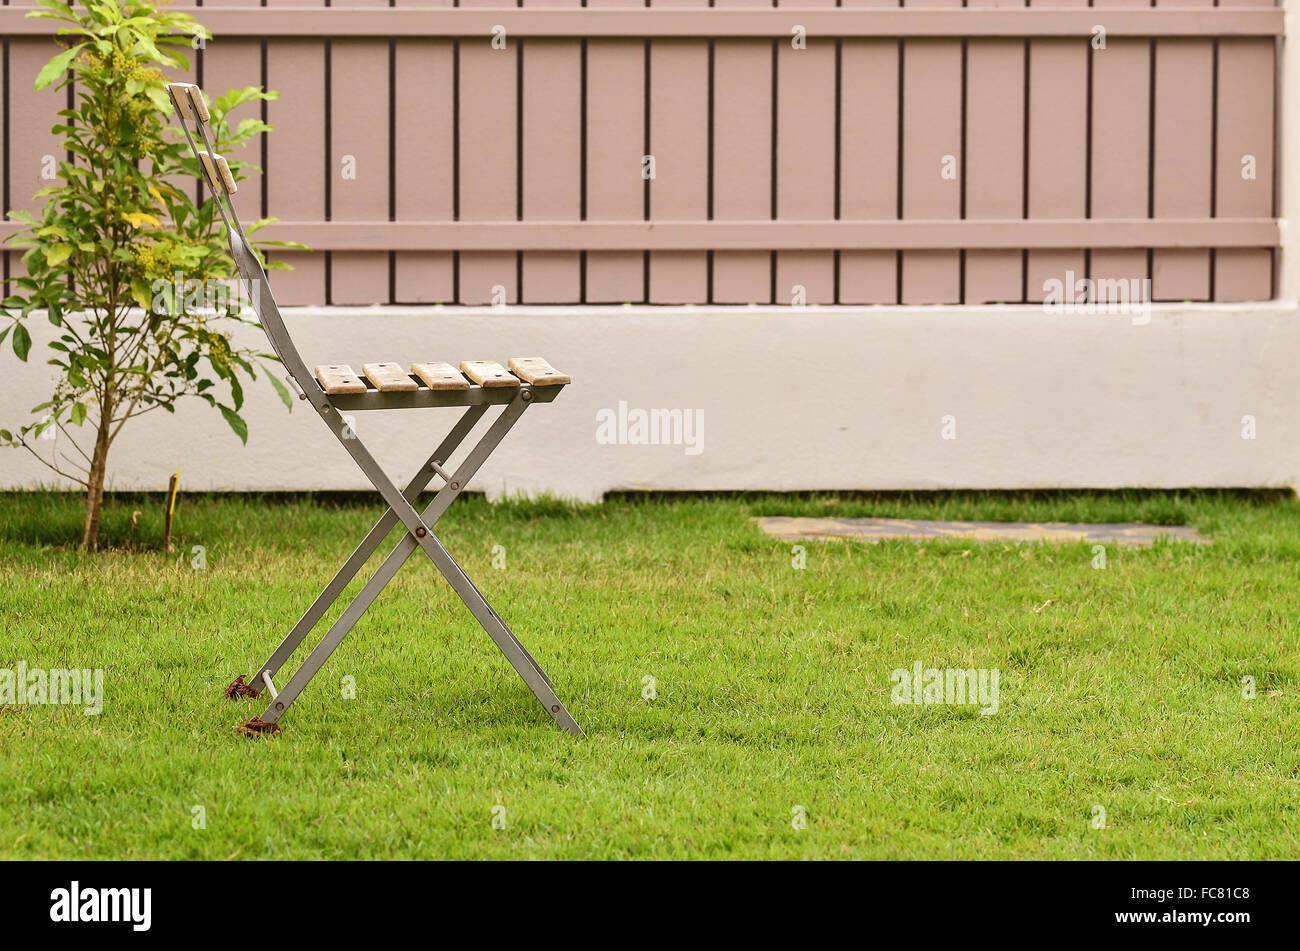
172	485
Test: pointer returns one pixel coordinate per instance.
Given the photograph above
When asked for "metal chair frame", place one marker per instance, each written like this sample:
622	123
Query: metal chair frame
191	110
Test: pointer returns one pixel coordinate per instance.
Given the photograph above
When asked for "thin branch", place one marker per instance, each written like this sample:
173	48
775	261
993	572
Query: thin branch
55	469
139	412
71	440
76	465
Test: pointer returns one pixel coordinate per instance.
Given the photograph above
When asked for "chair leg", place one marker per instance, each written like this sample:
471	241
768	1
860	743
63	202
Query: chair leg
374	538
519	658
418	534
509	633
506	642
338	630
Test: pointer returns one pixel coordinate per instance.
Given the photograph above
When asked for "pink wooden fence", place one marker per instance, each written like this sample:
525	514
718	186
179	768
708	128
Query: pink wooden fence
909	153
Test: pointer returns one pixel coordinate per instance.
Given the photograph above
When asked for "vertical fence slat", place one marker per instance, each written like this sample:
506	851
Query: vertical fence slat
1121	117
196	72
552	159
615	143
805	166
32	148
742	152
931	157
423	159
679	142
1245	149
295	164
1184	78
995	142
7	259
869	159
359	168
488	170
236	63
1058	151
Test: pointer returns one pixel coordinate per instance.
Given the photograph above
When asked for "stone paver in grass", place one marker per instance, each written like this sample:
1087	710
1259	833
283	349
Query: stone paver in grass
878	529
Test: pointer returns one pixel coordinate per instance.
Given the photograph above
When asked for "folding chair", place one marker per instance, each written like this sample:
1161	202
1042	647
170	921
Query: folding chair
334	389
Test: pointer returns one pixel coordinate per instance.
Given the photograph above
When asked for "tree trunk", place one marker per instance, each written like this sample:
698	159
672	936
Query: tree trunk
95	488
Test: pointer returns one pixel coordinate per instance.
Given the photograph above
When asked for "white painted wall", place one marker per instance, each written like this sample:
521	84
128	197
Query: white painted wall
823	398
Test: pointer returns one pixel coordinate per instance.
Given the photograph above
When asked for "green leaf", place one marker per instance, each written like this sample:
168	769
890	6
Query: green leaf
281	389
140	293
78	414
298	245
57	254
159	99
22	342
57	66
238	425
47	15
58	5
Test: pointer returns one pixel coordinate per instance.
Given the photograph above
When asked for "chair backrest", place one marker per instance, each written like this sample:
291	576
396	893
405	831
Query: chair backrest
192	110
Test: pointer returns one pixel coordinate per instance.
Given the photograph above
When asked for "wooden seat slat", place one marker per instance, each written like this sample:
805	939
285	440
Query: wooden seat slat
440	376
339	378
488	373
389	378
538	372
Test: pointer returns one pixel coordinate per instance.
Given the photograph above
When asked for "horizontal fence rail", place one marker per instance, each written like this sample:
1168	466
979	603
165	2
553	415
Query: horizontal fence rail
763	235
716	23
556	153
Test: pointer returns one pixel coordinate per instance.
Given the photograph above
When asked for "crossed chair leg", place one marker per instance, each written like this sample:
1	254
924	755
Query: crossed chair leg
418	535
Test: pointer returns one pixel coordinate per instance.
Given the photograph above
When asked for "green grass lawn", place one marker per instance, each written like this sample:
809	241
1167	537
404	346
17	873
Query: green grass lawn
1119	688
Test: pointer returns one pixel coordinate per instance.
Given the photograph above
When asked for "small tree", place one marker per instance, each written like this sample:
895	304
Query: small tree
124	260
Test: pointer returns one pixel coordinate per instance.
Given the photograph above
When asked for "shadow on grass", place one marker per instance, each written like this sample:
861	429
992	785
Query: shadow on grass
1155	506
133	521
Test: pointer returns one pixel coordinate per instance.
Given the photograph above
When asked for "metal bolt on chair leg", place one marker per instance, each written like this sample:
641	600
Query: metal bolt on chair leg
270	687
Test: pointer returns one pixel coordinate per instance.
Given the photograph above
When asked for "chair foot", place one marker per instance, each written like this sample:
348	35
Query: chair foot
259	727
239	689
